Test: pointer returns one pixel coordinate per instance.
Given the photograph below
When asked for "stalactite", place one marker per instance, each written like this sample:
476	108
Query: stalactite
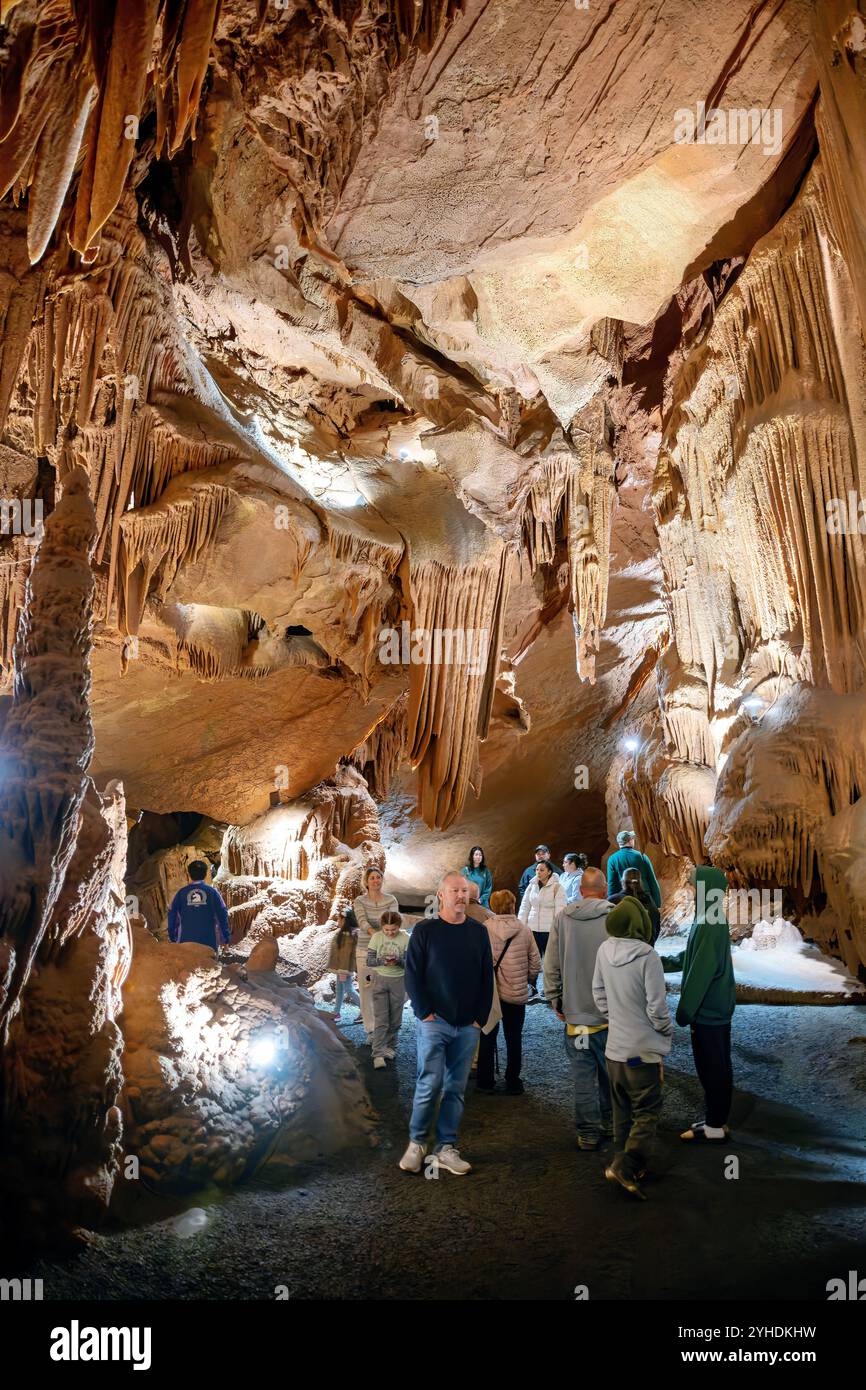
840	54
669	801
449	704
155	544
379	757
573	495
56	155
758	442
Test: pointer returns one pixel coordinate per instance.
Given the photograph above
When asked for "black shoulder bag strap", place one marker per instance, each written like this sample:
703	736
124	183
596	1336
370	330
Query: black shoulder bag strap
502	953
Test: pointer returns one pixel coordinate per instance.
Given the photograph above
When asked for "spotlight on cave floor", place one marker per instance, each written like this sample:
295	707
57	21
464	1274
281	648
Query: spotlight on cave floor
631	745
753	705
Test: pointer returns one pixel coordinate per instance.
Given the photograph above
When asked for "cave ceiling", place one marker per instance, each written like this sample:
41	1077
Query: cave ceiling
364	313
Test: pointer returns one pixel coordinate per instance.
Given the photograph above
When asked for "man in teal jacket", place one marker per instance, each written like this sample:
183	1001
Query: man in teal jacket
707	1001
627	857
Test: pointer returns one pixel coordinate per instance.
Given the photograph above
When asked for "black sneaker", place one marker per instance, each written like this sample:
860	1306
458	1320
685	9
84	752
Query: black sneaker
516	1089
615	1174
485	1090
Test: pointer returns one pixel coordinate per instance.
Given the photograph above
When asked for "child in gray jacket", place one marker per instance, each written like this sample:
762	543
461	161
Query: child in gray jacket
629	989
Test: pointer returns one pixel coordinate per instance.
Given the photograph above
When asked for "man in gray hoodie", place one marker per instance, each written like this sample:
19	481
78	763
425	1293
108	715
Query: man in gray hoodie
629	989
569	964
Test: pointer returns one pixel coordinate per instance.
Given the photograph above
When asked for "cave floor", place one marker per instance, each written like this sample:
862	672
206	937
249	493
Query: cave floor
536	1218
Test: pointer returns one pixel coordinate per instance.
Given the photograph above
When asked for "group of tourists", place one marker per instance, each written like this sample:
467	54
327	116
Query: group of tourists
476	964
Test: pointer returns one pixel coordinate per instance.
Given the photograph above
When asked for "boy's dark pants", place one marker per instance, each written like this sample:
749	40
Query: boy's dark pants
636	1093
711	1046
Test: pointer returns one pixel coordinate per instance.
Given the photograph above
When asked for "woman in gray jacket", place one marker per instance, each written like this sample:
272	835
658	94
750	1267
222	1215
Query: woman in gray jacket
368	909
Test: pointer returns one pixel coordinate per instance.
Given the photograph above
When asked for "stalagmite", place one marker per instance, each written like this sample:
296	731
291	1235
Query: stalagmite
64	938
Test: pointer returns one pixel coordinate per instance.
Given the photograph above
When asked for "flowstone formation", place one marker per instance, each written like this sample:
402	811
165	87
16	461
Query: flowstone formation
758	753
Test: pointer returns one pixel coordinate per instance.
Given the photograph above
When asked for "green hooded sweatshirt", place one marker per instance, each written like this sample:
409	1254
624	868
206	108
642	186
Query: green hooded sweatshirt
707	994
630	919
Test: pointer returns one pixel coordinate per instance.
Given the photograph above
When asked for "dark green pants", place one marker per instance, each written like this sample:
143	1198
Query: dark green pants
636	1093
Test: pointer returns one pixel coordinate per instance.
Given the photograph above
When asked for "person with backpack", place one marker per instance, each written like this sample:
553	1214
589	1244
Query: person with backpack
198	913
627	857
341	959
515	962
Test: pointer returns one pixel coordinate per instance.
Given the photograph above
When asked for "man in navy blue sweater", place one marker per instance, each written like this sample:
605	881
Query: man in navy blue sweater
449	980
197	911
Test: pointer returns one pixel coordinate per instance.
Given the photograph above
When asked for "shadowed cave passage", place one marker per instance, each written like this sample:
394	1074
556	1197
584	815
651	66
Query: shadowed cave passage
535	1218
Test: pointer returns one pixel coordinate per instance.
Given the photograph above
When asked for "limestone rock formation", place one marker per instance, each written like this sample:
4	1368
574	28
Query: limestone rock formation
223	1073
169	1072
447	421
64	936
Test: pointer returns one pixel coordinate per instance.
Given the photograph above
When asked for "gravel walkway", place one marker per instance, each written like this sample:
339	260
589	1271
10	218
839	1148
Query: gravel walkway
536	1218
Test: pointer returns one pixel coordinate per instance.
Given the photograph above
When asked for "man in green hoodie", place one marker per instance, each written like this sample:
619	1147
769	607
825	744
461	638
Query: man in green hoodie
707	1001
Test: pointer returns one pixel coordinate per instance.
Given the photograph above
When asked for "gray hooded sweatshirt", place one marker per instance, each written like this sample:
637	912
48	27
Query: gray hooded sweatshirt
629	988
569	961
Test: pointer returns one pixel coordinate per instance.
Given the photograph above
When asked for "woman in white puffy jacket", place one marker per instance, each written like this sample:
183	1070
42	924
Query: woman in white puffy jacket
544	897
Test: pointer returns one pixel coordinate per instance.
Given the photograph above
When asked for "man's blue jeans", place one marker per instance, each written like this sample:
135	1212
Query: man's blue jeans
444	1058
592	1106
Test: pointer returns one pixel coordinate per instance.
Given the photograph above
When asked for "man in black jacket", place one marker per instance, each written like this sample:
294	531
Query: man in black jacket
542	855
449	980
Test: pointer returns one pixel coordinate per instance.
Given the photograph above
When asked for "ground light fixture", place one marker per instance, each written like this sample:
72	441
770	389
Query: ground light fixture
631	745
754	705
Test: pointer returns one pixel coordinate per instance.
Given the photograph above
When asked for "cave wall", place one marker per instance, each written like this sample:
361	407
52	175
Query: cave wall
755	759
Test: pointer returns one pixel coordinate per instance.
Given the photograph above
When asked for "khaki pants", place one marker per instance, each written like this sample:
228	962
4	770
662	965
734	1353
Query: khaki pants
636	1093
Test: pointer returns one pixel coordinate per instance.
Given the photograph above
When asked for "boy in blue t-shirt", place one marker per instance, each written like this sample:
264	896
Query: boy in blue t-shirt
197	911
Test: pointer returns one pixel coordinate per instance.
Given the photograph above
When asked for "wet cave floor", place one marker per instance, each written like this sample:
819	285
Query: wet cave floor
536	1218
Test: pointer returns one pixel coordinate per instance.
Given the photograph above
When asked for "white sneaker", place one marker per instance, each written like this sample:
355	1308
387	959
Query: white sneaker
449	1159
389	1053
379	1063
413	1158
